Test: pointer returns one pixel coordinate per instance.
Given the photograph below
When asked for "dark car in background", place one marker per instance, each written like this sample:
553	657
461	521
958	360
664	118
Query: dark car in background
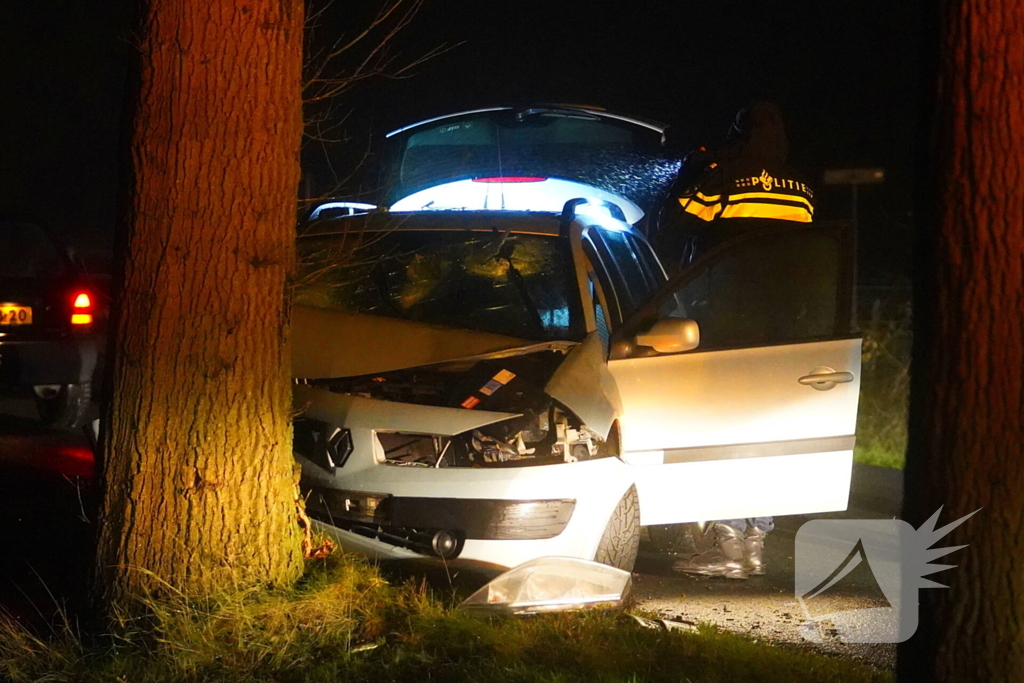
51	323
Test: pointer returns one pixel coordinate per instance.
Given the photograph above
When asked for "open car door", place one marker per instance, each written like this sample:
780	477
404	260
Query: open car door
759	418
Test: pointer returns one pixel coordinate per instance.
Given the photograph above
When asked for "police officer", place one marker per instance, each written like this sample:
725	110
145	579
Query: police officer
721	193
718	195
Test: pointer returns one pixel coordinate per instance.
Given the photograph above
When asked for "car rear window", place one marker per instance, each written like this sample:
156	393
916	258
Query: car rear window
512	284
28	252
611	155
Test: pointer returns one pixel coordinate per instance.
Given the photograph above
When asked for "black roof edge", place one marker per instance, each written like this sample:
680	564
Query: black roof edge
593	110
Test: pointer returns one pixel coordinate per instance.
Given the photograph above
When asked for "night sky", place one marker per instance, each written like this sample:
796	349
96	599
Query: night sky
847	74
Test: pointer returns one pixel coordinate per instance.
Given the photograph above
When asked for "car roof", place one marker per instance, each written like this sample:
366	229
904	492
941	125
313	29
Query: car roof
521	222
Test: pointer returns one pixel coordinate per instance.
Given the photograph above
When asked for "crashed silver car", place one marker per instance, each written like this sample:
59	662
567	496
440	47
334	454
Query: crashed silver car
502	385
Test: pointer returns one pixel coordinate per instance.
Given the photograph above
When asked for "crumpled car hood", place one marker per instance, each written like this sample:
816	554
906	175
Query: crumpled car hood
334	344
368	413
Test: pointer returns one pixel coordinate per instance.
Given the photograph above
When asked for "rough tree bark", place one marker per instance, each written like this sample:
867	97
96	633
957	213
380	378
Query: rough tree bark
967	408
198	485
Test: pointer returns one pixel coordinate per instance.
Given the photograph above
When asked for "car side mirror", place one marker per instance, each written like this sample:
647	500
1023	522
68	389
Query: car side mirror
671	335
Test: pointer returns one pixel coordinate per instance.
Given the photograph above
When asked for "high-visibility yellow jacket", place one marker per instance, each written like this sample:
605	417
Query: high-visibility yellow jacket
721	193
748	189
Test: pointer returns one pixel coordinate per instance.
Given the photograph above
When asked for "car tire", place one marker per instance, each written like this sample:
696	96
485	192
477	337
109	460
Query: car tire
676	539
621	539
66	409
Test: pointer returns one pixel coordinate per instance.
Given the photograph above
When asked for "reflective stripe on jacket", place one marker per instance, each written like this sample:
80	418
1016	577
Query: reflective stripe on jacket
754	196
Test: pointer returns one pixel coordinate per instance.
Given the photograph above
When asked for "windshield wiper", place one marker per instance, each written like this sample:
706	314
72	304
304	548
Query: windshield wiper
505	252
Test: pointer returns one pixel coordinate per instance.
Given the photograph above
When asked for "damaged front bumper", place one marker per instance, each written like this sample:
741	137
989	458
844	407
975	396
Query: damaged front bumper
438	526
501	516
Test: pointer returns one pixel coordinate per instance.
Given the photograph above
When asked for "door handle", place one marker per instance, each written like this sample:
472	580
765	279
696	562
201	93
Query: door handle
824	379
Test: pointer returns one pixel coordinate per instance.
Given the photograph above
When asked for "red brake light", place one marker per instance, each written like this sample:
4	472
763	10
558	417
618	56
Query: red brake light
83	307
510	179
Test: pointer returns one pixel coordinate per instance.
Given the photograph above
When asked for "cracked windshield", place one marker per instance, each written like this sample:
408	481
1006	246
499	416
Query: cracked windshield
509	284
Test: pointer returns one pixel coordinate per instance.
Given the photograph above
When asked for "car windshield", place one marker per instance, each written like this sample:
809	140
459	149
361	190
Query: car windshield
512	284
28	252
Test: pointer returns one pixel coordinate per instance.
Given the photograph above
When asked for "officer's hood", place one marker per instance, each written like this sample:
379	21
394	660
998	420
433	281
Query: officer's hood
758	133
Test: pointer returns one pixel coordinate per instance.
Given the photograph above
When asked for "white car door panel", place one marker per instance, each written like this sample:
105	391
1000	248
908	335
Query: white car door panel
738	396
742	488
743	426
735	434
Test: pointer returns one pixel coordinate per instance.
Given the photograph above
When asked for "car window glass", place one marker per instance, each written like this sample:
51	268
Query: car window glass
568	145
497	143
605	277
778	289
516	285
648	261
600	321
28	252
674	306
631	263
616	280
632	282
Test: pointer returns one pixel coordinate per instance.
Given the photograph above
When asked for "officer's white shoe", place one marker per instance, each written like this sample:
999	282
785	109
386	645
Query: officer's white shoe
753	551
725	558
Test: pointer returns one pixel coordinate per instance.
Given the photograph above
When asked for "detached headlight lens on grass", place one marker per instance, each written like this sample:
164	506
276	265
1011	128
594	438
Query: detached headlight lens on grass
552	584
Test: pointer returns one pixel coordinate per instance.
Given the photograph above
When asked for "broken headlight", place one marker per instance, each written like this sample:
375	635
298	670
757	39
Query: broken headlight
552	584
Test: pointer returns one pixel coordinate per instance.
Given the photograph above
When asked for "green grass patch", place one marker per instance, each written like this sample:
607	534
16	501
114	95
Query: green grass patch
884	390
880	456
344	622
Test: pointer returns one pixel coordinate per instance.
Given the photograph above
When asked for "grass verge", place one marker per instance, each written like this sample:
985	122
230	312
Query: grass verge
880	456
344	622
884	389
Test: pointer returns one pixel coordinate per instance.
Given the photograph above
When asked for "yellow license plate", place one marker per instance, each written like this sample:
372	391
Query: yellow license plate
15	315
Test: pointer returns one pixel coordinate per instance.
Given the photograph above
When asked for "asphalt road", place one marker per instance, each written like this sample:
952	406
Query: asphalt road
46	501
766	606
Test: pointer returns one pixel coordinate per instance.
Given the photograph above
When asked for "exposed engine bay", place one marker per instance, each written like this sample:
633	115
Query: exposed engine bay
543	432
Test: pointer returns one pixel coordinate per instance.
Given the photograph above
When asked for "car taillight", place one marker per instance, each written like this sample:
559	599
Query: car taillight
82	309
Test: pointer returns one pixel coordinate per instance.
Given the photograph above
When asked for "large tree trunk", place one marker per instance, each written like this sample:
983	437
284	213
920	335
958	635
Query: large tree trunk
967	409
198	477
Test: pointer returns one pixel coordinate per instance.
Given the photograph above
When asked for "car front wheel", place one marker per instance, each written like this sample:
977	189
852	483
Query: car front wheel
621	539
63	406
